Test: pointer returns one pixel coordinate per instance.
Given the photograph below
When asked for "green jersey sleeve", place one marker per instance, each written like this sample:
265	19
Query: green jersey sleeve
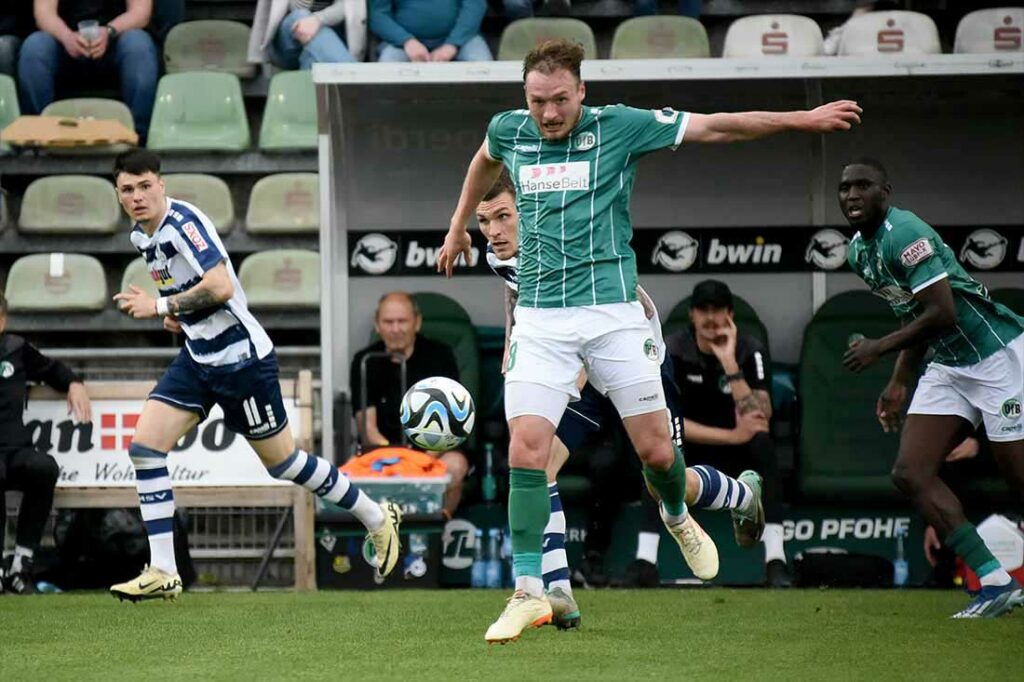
914	254
501	132
648	130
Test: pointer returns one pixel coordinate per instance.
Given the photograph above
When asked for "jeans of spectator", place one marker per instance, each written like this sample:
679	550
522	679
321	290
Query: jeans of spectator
166	15
518	9
132	57
476	50
687	8
325	47
9	54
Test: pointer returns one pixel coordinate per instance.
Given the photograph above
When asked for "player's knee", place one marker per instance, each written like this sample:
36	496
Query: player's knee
43	471
905	478
528	451
655	453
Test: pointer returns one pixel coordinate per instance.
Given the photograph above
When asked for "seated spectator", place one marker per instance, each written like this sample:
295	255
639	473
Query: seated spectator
723	376
295	34
66	49
398	321
686	8
22	466
835	36
523	9
429	30
15	24
166	15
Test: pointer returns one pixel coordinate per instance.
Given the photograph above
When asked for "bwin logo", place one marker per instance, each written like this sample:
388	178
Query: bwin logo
675	251
374	253
827	249
984	249
740	254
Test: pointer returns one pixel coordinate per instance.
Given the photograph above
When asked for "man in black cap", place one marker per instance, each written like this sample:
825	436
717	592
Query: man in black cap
724	377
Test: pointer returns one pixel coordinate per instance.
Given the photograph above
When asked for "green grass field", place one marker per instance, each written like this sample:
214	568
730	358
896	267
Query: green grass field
698	634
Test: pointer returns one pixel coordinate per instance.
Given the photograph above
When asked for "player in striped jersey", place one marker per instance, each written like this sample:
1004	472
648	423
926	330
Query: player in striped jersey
975	375
706	487
574	167
228	360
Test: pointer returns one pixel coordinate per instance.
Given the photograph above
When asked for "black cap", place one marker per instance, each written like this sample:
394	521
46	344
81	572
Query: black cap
711	294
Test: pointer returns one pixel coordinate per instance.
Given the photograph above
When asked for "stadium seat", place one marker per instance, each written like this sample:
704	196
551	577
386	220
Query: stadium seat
523	35
286	203
199	112
209	45
289	119
844	454
208	193
56	282
1011	298
987	31
9	109
744	314
893	33
771	35
664	37
283	278
70	204
138	274
91	107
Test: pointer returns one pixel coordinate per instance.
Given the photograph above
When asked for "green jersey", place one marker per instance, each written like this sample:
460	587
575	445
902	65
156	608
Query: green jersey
905	256
573	200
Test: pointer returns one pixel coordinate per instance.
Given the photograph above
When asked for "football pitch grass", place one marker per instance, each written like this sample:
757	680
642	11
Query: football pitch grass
669	634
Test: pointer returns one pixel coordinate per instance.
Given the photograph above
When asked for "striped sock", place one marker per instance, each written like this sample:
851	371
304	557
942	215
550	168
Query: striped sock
322	478
156	502
554	563
718	491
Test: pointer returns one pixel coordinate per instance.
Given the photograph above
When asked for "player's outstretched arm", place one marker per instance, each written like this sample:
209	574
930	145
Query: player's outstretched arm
481	176
213	289
751	125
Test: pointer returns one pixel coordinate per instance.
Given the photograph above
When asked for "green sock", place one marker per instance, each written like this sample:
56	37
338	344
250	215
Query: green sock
969	546
670	484
528	510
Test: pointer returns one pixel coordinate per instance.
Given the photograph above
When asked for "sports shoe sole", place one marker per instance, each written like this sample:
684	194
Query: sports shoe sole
136	598
540	622
1000	606
567	622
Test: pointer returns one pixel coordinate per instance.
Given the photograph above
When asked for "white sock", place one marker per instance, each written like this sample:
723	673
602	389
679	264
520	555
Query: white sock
322	478
531	585
156	502
19	554
647	547
996	578
772	540
672	519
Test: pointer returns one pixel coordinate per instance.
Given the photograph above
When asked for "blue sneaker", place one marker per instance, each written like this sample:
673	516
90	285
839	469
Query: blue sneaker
994	601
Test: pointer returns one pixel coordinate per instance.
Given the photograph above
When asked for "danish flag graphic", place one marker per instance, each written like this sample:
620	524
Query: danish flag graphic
116	434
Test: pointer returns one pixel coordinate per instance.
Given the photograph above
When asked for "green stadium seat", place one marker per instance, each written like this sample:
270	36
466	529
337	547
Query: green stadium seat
843	452
199	112
523	35
745	316
138	274
286	203
56	282
282	279
208	193
1011	298
209	45
660	37
91	107
9	109
70	204
289	119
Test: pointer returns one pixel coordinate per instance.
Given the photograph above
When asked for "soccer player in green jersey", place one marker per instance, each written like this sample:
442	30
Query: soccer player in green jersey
574	167
976	374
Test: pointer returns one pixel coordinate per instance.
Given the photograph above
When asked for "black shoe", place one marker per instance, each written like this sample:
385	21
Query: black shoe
641	573
776	574
591	571
22	582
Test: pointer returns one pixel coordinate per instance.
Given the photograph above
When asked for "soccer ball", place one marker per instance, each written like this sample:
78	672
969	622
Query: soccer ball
437	413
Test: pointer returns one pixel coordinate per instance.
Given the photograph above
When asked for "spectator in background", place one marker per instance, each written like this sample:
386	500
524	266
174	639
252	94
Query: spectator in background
429	30
295	34
723	376
398	321
686	8
15	24
523	9
22	466
835	36
166	15
65	50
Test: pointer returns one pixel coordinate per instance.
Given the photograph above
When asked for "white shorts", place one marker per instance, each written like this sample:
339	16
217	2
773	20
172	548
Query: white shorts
613	341
991	391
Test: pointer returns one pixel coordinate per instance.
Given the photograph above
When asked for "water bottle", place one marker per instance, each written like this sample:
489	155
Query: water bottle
493	560
900	570
490	484
478	576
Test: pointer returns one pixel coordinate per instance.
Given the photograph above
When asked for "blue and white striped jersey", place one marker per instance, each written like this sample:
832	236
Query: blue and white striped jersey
180	252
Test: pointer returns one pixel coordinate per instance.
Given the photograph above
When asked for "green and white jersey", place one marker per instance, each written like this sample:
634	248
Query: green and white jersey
573	200
905	256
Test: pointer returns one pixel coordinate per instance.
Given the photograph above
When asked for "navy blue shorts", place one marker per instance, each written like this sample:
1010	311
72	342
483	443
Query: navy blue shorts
585	417
250	394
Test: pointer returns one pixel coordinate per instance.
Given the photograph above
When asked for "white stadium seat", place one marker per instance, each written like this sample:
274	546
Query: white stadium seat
989	31
890	34
770	35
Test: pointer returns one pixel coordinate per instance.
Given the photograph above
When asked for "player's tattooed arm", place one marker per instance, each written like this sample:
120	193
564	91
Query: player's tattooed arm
214	289
755	401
